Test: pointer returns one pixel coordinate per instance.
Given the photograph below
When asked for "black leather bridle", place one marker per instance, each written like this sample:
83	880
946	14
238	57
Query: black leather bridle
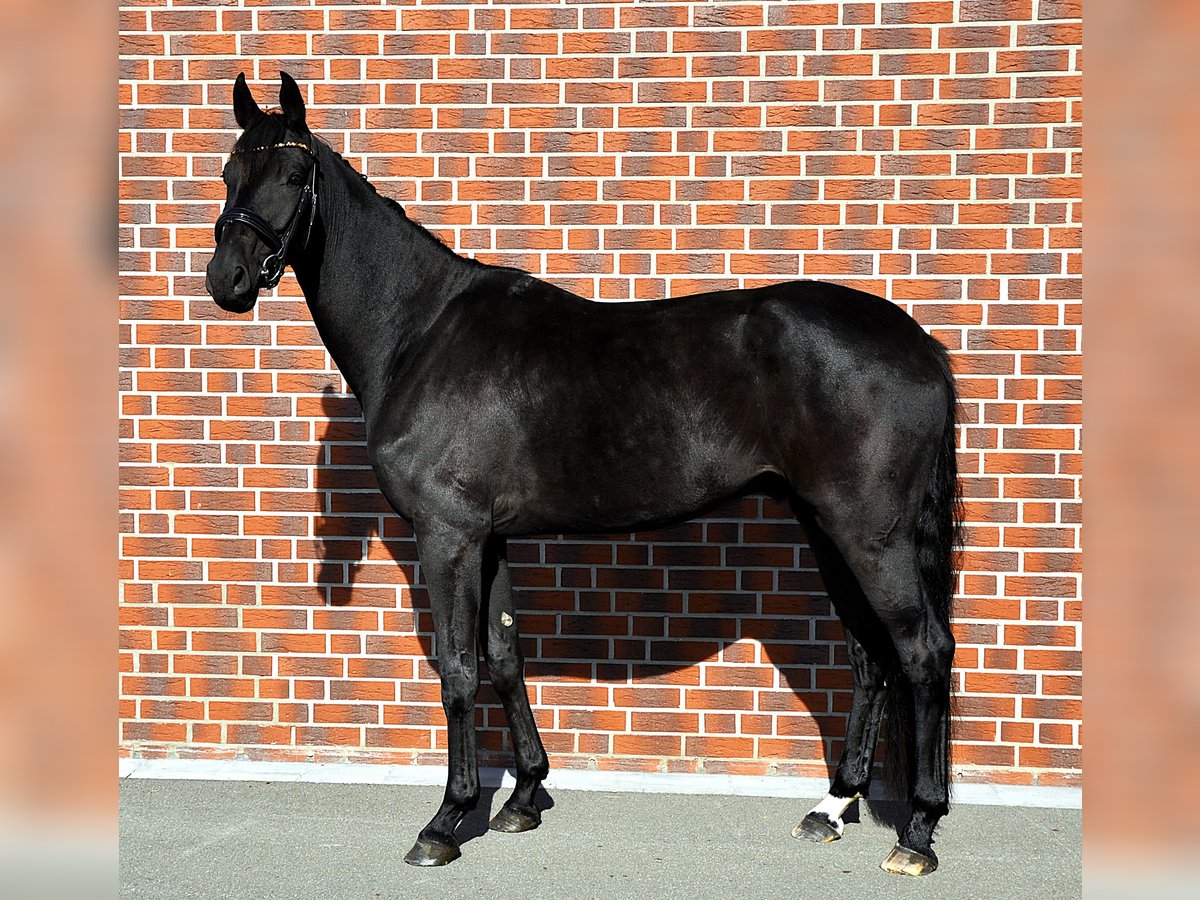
272	267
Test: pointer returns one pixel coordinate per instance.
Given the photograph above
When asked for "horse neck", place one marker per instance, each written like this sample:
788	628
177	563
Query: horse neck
374	280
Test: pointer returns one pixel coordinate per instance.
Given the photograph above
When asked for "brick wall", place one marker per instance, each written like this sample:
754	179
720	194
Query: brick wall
272	607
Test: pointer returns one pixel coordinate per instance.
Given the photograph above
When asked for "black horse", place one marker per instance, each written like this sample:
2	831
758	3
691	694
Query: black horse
499	405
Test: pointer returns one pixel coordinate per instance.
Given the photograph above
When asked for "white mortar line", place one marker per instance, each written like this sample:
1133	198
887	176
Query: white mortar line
1037	796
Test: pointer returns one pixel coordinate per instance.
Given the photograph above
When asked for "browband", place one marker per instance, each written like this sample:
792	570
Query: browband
299	144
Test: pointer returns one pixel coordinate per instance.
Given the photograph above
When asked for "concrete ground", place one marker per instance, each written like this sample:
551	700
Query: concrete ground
228	839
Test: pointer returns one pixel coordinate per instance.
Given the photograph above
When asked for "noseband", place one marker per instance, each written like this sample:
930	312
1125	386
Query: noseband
272	267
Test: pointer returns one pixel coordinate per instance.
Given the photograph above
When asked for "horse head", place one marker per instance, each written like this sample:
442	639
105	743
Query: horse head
270	198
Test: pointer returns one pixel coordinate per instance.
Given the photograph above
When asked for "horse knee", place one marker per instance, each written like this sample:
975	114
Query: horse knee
459	686
505	671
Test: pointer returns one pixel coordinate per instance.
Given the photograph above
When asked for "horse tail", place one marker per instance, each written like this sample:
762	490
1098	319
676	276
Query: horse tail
938	535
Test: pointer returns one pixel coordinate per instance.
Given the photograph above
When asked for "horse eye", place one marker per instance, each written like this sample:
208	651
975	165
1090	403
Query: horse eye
296	179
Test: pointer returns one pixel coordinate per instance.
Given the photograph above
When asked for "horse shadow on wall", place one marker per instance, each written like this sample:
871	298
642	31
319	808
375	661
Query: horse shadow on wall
638	610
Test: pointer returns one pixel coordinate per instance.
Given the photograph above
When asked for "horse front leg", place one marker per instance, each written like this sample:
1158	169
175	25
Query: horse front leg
506	666
452	562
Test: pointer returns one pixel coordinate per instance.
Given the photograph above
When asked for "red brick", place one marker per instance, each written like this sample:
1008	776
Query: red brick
625	153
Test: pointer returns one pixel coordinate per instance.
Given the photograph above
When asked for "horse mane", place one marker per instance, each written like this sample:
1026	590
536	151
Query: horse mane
272	128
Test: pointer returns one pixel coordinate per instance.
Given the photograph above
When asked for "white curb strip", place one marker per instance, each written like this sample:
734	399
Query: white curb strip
571	780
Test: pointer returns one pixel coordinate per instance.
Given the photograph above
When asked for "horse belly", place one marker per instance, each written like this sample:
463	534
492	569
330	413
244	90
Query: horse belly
622	486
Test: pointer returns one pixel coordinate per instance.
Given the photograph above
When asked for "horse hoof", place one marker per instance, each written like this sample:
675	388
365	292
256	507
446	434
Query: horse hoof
902	861
432	853
817	827
512	822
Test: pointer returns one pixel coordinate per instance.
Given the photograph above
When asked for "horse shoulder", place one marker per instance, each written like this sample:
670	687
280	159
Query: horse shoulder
441	436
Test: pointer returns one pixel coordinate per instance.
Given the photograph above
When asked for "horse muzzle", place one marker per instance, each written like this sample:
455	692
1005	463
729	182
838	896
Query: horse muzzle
231	285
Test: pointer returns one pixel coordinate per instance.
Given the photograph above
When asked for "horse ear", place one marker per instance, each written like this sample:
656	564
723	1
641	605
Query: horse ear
245	110
291	102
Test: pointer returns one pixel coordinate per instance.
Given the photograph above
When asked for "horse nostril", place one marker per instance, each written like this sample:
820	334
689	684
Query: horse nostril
240	280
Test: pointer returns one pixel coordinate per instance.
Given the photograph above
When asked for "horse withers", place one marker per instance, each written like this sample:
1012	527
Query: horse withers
498	405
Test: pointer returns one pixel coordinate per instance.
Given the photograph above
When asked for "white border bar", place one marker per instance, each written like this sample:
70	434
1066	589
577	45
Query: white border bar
1036	796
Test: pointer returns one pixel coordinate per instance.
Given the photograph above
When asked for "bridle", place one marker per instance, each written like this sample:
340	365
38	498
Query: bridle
272	267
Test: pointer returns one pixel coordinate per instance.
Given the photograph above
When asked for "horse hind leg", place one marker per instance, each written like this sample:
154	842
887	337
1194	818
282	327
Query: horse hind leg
889	574
925	648
502	649
853	777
